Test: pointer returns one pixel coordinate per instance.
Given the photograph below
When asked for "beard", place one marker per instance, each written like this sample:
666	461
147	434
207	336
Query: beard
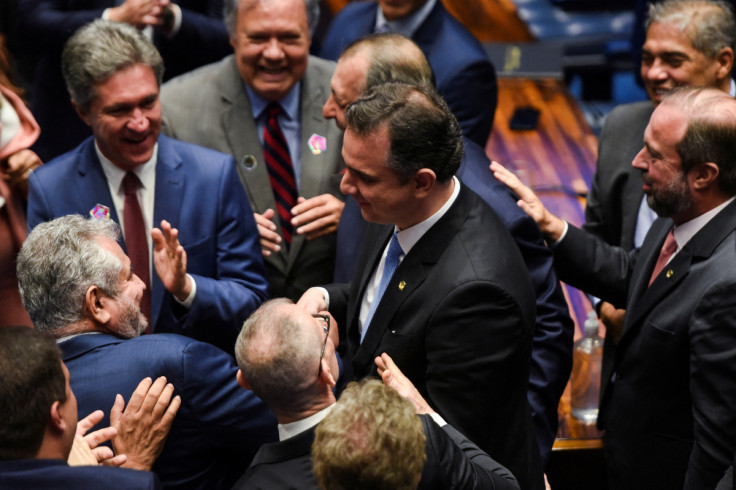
132	322
671	199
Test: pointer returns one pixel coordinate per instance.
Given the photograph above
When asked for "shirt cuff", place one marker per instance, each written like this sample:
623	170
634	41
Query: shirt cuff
176	11
562	237
187	303
326	295
438	419
106	14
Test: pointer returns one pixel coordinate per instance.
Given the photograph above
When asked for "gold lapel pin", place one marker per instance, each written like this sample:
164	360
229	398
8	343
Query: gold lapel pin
669	273
402	285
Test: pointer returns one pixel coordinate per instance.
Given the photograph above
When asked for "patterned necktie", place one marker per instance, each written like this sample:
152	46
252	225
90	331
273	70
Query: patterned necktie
135	240
669	248
392	262
280	170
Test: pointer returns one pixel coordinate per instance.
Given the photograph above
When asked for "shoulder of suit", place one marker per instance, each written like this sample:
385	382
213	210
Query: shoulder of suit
193	154
632	111
195	79
320	67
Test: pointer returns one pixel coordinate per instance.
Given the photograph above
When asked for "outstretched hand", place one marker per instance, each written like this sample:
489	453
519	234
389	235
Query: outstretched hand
170	260
86	449
552	227
395	379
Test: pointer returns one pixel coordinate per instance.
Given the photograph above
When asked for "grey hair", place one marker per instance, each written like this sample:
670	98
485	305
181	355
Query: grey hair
100	49
709	24
392	57
59	261
279	358
231	8
423	131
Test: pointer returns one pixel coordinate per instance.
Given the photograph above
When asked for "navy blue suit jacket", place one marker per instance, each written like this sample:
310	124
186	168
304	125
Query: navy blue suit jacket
45	25
198	192
463	73
553	331
220	425
53	474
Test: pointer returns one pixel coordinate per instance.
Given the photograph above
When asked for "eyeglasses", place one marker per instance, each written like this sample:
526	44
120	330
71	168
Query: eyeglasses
326	328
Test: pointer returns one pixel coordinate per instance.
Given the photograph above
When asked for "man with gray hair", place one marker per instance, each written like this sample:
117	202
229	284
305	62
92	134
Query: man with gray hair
202	270
441	287
688	43
280	349
263	105
79	287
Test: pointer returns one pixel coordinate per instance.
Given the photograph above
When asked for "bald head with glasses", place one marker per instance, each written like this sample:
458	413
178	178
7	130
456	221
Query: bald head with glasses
287	357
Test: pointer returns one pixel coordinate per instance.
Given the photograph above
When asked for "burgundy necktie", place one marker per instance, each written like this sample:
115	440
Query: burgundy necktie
280	170
669	248
135	239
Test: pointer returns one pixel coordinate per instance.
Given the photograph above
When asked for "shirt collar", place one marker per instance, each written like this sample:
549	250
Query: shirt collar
289	104
408	237
732	89
115	174
684	232
408	25
292	429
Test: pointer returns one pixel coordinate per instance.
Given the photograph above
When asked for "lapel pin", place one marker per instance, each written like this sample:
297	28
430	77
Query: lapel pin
317	144
248	163
402	285
669	273
100	212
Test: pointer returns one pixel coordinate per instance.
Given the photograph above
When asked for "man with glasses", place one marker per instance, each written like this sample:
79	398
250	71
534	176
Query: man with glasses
277	351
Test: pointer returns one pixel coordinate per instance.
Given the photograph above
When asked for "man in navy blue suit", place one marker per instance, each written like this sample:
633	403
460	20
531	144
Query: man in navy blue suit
465	77
78	286
209	274
381	57
39	423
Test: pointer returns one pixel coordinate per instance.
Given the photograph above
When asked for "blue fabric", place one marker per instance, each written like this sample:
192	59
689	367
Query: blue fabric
220	238
392	262
54	474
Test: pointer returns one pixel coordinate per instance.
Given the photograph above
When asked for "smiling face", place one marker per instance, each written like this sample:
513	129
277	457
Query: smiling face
126	321
373	184
666	187
271	45
669	60
125	116
347	83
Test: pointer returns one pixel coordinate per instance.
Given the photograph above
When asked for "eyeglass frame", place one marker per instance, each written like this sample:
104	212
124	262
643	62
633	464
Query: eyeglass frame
326	319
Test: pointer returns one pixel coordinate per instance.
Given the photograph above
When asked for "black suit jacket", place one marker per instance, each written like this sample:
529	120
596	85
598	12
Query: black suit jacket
453	462
457	318
668	400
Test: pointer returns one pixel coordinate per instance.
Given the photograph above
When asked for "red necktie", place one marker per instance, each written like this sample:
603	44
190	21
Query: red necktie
280	170
669	248
135	239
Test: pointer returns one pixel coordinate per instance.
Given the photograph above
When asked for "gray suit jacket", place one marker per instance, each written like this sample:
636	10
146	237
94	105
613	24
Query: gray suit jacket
210	107
616	192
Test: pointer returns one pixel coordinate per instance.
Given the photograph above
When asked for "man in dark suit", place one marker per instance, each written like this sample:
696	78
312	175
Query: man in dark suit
379	58
277	353
457	315
209	274
188	33
228	106
39	423
78	286
688	43
668	394
464	75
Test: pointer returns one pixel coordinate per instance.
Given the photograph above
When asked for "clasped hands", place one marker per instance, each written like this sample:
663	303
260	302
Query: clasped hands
312	217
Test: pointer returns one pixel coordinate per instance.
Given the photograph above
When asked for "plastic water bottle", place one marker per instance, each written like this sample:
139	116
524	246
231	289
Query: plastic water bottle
586	372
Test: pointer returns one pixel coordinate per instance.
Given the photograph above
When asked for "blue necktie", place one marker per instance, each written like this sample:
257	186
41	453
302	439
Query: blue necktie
392	262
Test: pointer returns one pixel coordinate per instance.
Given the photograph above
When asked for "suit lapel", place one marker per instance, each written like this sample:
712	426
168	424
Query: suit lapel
700	247
91	187
170	187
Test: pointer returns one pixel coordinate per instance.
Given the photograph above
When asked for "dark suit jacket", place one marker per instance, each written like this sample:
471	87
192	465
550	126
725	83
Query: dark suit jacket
219	426
221	239
45	25
453	462
553	331
210	107
463	73
54	474
668	401
460	328
616	191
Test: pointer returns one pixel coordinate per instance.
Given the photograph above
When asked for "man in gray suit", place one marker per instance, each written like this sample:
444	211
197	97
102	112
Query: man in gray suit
688	42
263	105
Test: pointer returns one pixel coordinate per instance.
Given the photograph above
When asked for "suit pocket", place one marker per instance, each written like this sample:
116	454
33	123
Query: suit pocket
659	334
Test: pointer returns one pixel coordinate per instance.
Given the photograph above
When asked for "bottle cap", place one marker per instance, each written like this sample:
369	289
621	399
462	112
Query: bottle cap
591	324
